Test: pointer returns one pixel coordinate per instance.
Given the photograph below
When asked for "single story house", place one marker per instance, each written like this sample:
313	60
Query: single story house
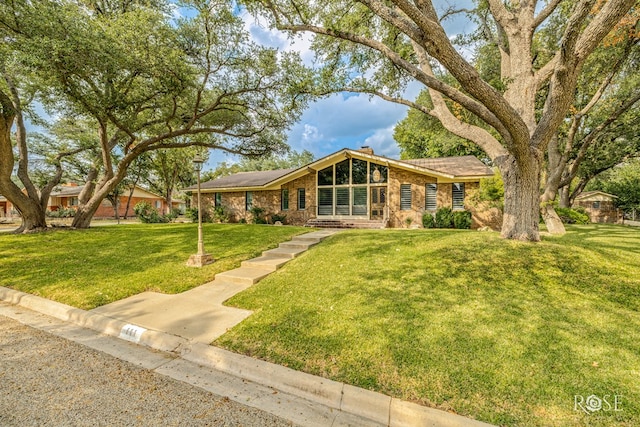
353	188
66	197
599	206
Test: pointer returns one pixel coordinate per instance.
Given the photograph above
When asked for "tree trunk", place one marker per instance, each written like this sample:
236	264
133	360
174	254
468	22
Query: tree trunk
551	219
521	199
33	218
133	188
84	215
564	197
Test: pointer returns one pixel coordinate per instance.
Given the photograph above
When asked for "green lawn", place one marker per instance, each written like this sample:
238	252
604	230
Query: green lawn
89	268
501	331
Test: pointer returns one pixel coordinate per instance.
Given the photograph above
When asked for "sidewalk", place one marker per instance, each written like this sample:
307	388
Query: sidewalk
185	324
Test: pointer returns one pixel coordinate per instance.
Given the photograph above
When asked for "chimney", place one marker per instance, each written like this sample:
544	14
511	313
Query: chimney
366	149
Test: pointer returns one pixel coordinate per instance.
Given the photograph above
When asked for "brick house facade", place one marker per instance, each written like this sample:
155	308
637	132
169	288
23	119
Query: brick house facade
354	185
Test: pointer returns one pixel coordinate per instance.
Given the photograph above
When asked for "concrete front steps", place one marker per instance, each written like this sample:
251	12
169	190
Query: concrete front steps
346	223
199	314
252	271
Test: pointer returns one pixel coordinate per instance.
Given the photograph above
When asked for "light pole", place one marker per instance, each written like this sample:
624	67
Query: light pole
201	258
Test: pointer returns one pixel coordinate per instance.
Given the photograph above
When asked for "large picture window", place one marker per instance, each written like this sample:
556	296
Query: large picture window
343	188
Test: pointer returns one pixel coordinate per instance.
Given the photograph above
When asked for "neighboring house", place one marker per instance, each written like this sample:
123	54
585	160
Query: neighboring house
599	206
353	188
6	208
67	198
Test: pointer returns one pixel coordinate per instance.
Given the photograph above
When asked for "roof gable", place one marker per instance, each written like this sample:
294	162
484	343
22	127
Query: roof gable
596	195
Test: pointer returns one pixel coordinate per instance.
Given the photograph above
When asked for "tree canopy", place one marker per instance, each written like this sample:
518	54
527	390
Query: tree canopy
145	81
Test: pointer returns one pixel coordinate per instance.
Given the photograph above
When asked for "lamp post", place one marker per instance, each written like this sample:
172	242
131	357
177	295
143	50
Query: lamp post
201	258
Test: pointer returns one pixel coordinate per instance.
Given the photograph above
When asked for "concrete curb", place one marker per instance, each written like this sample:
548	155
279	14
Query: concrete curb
352	400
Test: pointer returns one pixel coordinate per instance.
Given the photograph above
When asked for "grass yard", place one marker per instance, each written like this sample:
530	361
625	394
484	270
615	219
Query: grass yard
501	331
89	268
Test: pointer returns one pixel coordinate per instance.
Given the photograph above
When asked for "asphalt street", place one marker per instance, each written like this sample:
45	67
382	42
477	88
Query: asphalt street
46	380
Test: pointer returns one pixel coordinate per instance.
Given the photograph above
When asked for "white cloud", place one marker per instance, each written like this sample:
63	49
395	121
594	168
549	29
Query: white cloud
383	143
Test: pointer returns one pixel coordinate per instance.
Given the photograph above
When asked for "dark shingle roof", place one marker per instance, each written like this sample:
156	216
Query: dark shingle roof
244	179
456	166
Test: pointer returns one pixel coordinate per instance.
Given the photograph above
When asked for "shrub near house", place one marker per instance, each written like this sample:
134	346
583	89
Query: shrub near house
353	187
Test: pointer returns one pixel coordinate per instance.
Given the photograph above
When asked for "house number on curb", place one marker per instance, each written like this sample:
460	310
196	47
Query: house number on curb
132	333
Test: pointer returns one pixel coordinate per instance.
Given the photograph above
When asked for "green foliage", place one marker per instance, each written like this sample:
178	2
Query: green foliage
572	216
444	218
462	220
492	189
257	215
276	217
428	221
147	214
622	181
220	215
145	81
421	136
192	214
62	213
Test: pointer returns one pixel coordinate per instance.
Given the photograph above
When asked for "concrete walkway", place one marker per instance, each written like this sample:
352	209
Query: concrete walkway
198	314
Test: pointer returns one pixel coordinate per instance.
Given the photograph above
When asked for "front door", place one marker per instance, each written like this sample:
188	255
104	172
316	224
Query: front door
378	202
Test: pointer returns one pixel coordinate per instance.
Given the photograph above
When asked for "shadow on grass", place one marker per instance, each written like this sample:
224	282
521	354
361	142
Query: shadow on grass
502	331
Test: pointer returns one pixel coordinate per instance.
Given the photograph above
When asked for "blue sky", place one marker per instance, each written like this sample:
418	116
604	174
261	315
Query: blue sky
343	120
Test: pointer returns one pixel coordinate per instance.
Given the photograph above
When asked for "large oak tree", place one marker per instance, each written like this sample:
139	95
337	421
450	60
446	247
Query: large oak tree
148	81
387	42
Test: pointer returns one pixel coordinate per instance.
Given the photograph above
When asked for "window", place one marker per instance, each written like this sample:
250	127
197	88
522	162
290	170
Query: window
342	172
342	201
358	171
325	201
249	200
325	176
158	204
596	205
302	201
217	202
359	201
458	195
378	174
73	201
284	199
431	197
405	197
